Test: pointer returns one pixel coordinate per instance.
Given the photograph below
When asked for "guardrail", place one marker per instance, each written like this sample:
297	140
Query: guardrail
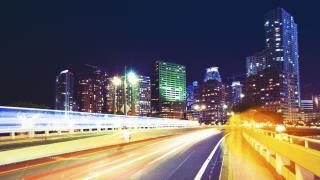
293	157
28	120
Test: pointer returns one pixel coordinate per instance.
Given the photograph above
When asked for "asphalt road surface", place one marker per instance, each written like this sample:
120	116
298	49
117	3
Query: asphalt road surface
189	156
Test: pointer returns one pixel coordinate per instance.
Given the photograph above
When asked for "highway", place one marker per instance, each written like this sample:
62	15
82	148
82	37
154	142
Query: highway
173	157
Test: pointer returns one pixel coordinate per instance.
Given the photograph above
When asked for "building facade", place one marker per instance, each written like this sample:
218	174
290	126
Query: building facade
192	114
144	96
209	102
64	99
92	92
236	93
275	84
282	54
255	63
169	90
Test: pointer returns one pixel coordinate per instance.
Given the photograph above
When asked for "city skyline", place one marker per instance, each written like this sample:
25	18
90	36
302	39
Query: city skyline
160	90
143	64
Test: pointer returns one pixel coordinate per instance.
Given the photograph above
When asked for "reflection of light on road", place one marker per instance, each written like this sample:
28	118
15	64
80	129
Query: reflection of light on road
178	144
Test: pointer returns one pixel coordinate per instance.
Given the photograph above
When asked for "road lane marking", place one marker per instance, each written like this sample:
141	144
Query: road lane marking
183	143
206	163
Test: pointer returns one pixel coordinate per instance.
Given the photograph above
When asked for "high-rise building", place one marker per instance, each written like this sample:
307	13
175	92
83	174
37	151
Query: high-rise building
276	86
92	92
212	73
144	96
191	113
169	90
209	102
236	93
64	91
282	55
255	63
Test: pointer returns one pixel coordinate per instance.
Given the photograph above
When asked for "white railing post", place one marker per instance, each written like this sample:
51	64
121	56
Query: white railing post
303	174
47	133
306	144
13	135
31	134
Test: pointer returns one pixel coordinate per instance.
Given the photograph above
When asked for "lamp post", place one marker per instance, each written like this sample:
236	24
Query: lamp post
116	81
132	80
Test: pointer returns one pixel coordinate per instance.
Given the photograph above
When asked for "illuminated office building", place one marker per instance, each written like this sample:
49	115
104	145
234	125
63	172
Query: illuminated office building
169	90
276	86
64	99
192	114
144	96
236	93
209	102
92	92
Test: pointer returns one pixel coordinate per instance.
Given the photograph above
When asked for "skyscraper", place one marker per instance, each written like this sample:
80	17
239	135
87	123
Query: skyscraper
282	54
144	95
64	91
277	87
236	94
212	73
169	90
92	92
191	113
209	102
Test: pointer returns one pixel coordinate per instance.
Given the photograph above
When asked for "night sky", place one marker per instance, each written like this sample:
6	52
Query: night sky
41	38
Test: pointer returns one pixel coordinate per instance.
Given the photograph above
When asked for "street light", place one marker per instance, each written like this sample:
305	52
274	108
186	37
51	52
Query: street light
116	81
132	78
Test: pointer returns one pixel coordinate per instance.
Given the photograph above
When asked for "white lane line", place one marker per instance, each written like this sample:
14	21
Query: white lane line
221	165
206	163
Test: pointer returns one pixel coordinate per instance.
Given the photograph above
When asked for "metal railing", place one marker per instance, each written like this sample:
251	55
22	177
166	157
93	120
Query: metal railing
298	140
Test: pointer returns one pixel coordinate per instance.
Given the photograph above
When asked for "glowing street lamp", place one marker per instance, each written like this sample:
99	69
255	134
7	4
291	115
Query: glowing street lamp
132	78
116	81
242	95
196	107
280	128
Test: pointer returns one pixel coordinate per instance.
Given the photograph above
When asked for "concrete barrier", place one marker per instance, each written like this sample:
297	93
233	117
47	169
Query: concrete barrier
292	161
